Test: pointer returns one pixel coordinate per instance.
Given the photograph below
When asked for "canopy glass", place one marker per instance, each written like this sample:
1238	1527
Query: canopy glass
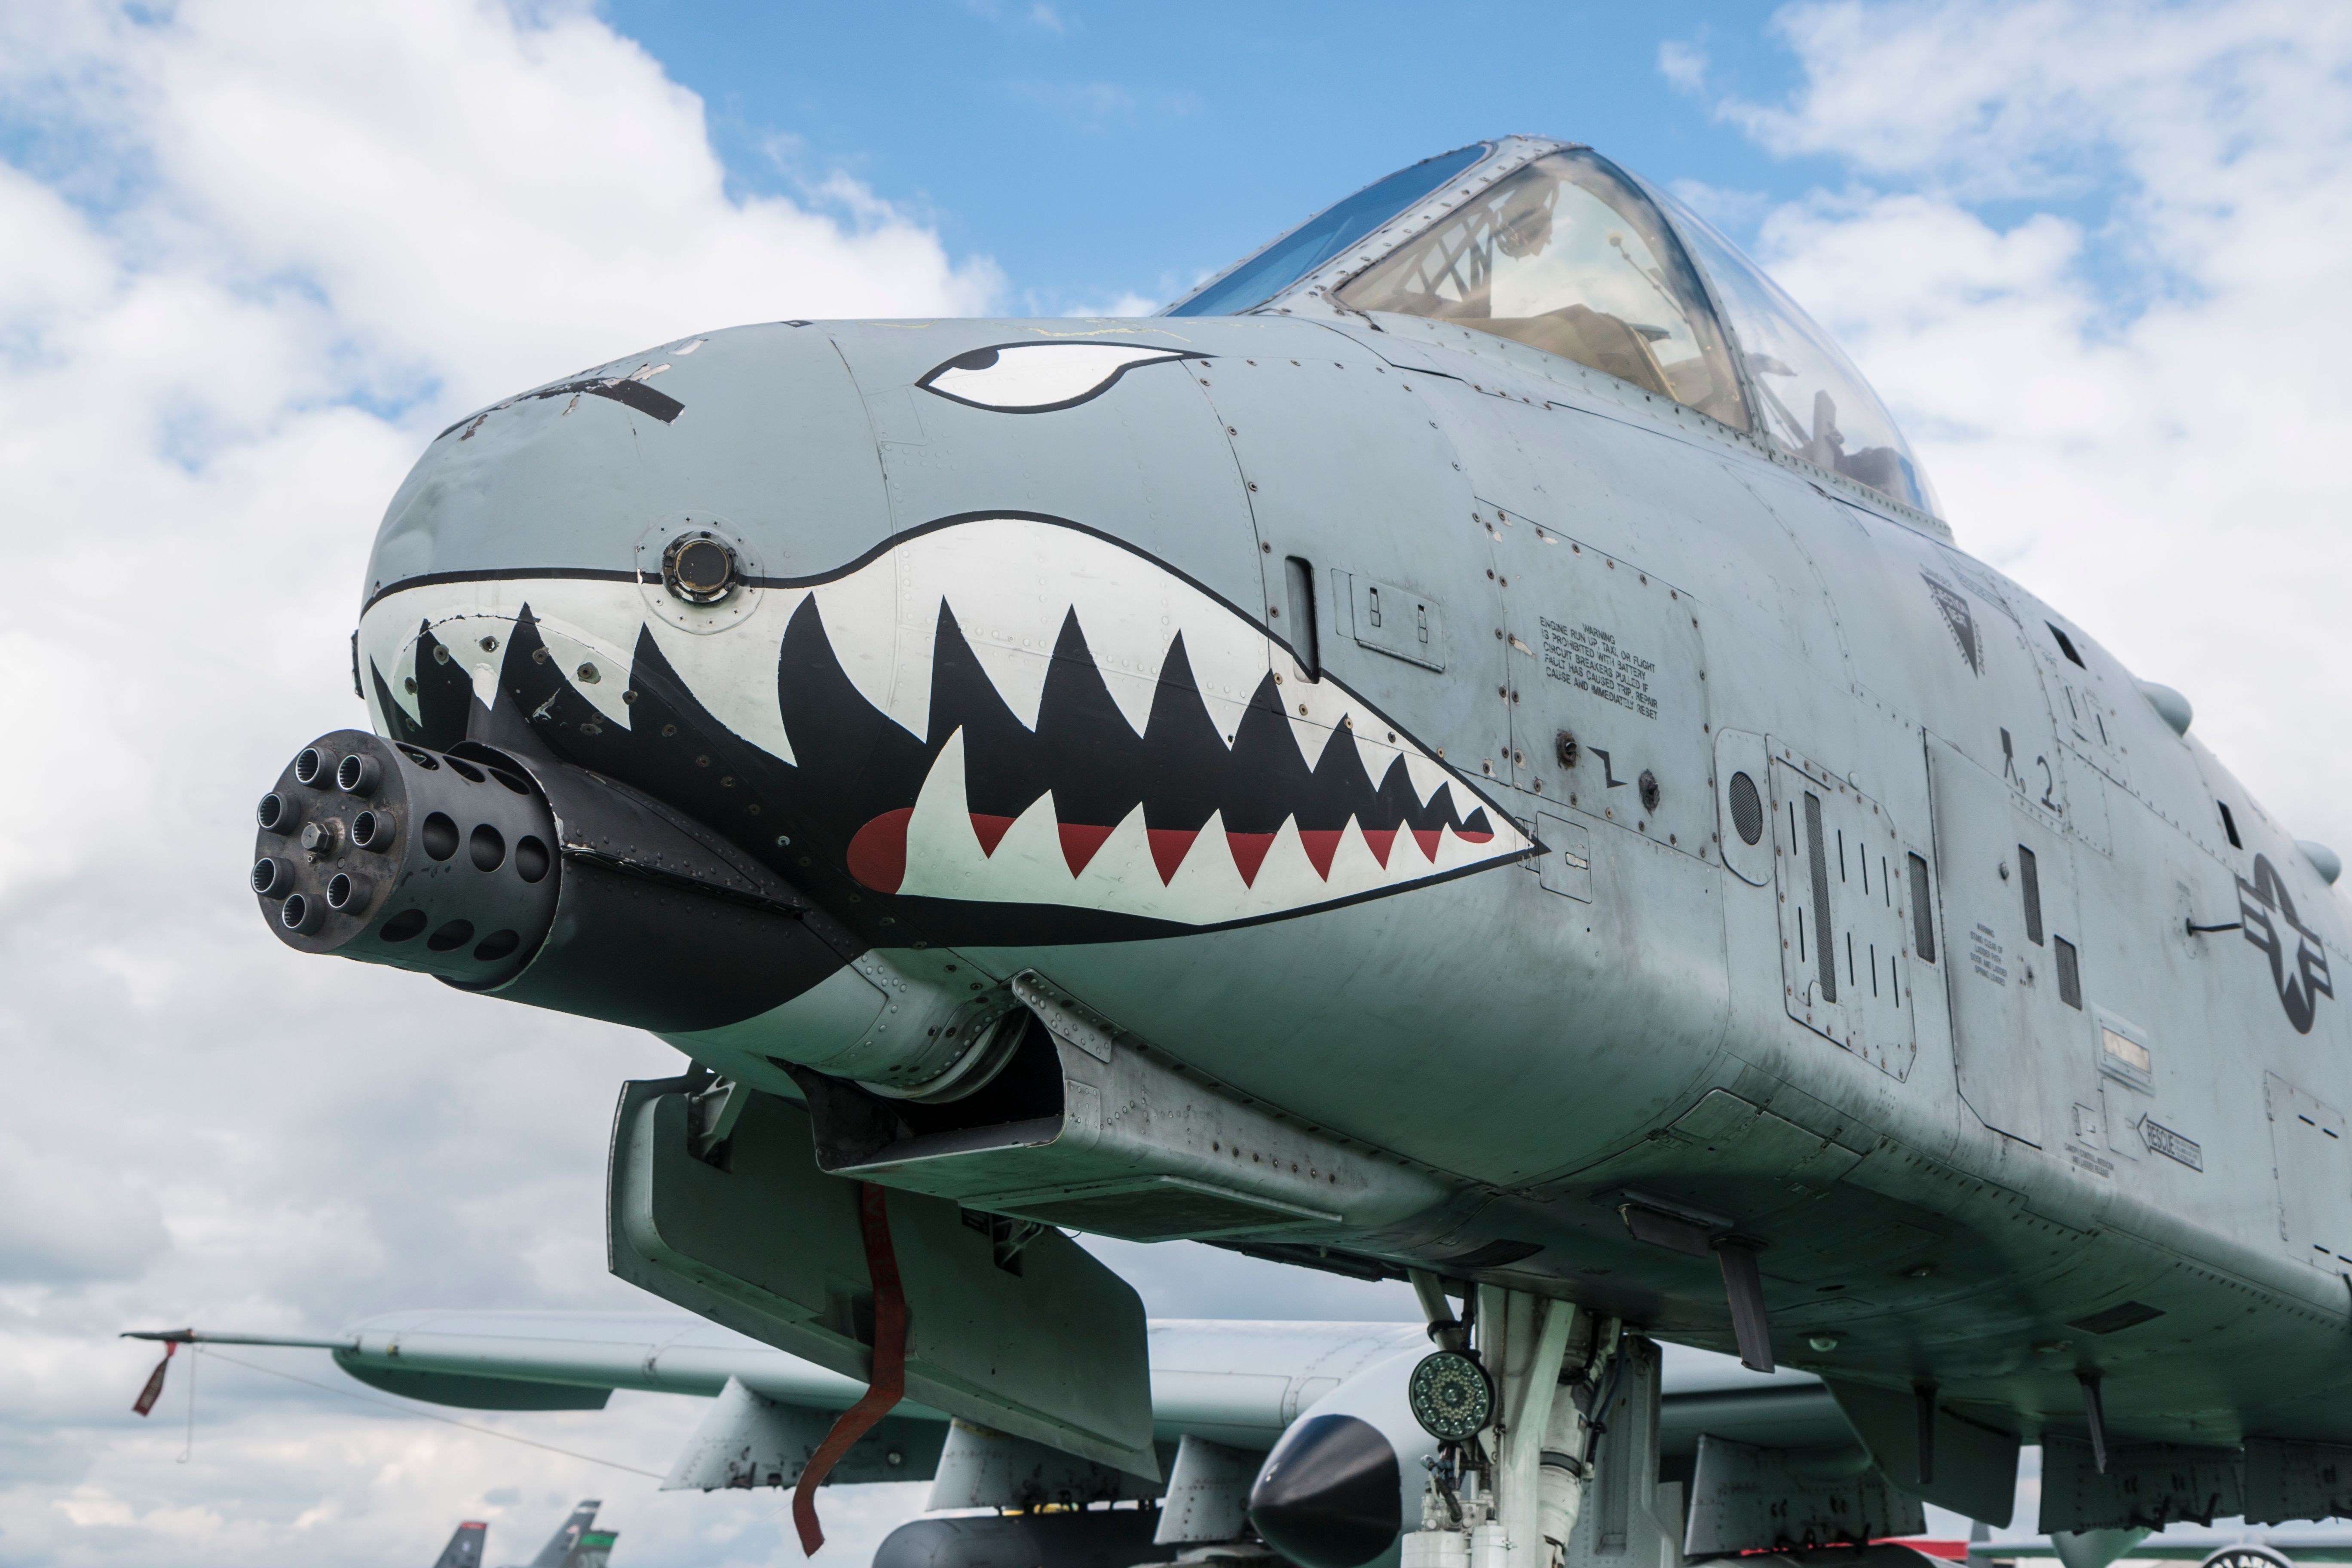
1567	256
1810	398
1571	255
1263	276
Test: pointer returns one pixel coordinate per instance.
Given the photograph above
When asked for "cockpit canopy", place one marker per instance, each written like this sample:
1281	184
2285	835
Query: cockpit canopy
1555	246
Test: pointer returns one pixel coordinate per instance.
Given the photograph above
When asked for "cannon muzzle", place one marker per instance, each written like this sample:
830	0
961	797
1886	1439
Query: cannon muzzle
531	880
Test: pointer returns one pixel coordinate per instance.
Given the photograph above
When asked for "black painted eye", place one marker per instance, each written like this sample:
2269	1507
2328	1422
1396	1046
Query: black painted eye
1040	377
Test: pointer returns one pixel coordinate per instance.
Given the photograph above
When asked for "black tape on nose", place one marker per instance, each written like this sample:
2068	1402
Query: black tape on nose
1329	1496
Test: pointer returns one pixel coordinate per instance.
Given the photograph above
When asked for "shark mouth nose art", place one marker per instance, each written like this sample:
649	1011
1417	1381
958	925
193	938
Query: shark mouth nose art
991	711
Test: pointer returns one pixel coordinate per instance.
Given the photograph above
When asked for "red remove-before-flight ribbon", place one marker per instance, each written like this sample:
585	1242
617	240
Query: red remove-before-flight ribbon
148	1395
887	1385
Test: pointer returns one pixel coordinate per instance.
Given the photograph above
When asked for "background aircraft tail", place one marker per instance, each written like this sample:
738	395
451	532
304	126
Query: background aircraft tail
562	1547
591	1549
465	1548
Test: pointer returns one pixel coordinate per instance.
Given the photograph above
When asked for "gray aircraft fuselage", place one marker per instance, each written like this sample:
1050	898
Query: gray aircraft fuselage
1642	815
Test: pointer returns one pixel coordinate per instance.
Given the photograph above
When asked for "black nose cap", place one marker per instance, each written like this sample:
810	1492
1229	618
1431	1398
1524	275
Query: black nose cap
1329	1495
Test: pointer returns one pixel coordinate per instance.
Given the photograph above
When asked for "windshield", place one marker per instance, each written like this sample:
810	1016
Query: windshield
1325	235
1814	403
1567	257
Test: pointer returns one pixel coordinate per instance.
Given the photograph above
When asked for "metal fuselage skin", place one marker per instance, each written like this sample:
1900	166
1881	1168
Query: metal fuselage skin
1583	983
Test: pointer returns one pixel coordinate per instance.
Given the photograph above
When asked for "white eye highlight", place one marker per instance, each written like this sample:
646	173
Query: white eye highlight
1036	378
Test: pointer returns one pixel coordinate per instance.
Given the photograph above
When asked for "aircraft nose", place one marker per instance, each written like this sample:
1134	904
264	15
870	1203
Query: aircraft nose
1328	1496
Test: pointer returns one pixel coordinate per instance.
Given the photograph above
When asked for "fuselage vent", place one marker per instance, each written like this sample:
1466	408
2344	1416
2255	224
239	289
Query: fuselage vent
1747	809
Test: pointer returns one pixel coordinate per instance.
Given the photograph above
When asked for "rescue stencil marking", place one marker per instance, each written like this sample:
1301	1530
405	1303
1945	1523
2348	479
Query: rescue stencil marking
2164	1140
1589	658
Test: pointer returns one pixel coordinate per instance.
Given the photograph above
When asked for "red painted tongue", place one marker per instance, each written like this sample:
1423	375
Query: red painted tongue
877	851
1320	844
1079	843
1249	853
1169	848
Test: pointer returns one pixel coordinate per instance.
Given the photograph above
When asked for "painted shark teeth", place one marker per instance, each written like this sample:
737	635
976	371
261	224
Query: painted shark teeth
1007	710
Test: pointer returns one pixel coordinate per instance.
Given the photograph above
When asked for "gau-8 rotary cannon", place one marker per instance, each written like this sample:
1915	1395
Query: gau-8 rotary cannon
525	878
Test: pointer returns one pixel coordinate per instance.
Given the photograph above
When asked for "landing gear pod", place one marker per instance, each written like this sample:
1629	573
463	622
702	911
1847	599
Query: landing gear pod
527	879
1338	1488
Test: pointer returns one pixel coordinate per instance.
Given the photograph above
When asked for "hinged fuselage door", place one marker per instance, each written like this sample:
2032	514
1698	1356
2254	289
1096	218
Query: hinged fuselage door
2313	1161
1845	913
2021	1036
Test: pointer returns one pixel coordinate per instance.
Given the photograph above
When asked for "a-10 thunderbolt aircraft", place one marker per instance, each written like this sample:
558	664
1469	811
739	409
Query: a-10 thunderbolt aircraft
1461	749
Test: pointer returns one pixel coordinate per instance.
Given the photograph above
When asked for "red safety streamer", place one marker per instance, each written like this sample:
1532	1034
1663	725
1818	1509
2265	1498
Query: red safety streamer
887	1384
145	1403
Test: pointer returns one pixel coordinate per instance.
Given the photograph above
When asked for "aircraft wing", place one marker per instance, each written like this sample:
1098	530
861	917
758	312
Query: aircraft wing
1239	1383
1235	1382
1701	1392
540	1361
1231	1401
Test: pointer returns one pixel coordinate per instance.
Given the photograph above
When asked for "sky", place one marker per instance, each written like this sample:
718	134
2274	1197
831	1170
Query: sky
252	255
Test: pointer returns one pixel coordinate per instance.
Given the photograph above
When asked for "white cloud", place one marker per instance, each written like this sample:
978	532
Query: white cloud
1126	305
2092	256
423	174
1093	106
256	254
1684	65
2019	93
1040	15
1728	210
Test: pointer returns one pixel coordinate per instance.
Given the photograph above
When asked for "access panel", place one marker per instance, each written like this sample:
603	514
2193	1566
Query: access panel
1389	619
2313	1161
1845	913
2021	1037
1608	692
